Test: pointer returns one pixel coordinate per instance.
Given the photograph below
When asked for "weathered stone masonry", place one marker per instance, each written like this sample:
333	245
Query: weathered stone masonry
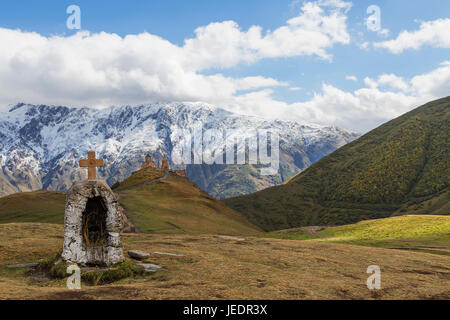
93	224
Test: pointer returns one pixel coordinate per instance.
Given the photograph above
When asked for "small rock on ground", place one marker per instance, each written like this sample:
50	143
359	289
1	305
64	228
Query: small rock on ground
138	254
148	267
169	254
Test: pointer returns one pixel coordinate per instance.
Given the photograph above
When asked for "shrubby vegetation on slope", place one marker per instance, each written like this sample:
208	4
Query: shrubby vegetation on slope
399	167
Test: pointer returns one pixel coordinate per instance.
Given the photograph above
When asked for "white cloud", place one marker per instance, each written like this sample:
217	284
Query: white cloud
103	69
351	78
429	85
388	80
362	109
384	98
433	84
368	107
320	25
433	33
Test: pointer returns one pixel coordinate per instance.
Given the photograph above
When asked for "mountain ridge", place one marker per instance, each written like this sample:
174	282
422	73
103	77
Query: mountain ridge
40	145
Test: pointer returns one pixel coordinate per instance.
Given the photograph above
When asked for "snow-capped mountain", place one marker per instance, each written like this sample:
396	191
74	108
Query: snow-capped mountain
40	145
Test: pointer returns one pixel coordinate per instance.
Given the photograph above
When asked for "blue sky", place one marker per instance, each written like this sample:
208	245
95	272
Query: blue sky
299	92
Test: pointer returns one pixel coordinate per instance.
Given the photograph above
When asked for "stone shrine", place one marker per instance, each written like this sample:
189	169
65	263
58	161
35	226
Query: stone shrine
93	220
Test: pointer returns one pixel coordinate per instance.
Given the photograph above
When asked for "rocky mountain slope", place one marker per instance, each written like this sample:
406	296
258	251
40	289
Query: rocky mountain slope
40	145
400	167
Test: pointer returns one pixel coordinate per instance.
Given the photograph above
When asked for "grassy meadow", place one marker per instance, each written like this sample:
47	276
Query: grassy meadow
416	232
215	268
175	216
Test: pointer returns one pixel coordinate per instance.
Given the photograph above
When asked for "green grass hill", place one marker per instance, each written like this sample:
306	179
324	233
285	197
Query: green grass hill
152	202
37	206
401	167
422	232
173	204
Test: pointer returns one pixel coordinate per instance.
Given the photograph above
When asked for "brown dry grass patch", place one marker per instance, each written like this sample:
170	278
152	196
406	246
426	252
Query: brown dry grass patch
215	268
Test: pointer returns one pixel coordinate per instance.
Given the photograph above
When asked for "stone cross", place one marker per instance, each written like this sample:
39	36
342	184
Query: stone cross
91	163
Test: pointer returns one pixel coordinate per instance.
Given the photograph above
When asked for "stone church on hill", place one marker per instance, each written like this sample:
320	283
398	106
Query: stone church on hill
164	166
148	163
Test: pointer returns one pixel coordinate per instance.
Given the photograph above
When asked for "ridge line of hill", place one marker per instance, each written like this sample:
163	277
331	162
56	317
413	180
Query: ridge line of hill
153	202
400	167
